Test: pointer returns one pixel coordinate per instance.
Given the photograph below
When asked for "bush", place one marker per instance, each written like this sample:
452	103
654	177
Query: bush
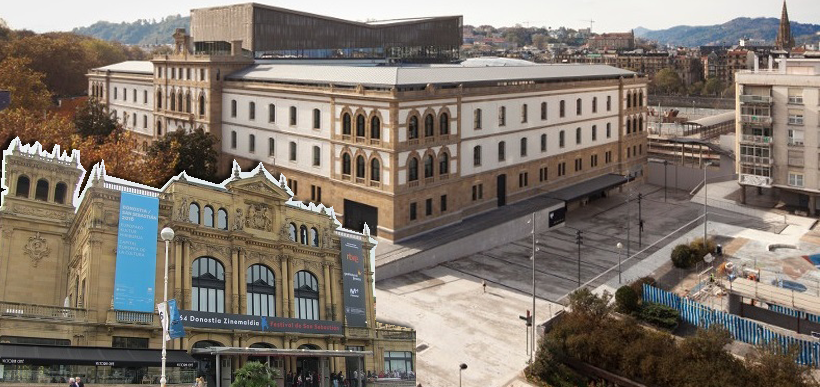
660	316
637	285
699	250
683	257
626	299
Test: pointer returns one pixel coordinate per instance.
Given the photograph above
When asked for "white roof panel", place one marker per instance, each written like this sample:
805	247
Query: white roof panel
131	66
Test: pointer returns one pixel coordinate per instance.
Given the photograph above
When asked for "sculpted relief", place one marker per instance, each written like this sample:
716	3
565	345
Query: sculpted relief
36	248
258	217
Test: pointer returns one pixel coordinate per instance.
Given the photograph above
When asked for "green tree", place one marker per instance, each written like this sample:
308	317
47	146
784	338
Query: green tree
93	119
682	256
667	81
255	374
627	299
27	88
713	87
586	303
179	151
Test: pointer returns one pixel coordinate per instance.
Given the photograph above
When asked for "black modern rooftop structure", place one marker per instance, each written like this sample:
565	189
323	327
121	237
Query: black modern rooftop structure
277	33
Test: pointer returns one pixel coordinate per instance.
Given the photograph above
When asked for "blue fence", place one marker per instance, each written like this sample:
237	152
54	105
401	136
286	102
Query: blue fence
794	313
741	329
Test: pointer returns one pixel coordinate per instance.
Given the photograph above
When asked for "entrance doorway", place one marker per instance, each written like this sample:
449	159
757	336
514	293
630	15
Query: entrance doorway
308	365
501	188
353	364
206	364
356	214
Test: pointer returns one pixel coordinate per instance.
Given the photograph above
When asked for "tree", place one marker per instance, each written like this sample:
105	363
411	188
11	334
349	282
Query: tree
683	256
584	302
27	88
713	86
626	299
255	374
540	40
179	151
93	119
773	362
667	81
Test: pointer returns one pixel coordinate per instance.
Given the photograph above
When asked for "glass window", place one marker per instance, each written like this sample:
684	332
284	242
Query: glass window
562	109
317	156
477	119
261	299
193	213
271	113
251	143
317	119
129	342
578	107
444	164
429	121
401	362
293	115
608	130
594	132
314	237
413	169
233	139
360	167
477	155
502	116
543	110
444	124
222	219
428	166
524	147
346	125
413	128
252	110
375	170
292	232
208	285
502	151
360	130
208	216
608	103
346	164
233	105
271	147
577	135
375	128
523	113
561	139
306	296
303	234
543	142
292	151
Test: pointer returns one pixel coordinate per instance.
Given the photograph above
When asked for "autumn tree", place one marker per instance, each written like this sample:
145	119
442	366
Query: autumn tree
31	126
773	362
193	152
93	119
27	88
667	81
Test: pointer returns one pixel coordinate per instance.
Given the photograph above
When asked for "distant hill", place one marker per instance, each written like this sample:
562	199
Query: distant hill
728	33
139	32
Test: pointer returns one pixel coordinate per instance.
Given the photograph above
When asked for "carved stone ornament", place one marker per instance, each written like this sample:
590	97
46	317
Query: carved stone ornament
211	249
238	223
38	212
182	210
37	249
258	217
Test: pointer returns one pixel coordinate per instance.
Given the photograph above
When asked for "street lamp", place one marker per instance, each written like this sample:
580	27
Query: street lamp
619	246
167	235
705	199
461	367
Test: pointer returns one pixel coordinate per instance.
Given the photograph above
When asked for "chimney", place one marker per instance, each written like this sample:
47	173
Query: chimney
236	48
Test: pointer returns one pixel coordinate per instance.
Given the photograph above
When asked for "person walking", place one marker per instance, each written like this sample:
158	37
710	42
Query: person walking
79	382
289	380
72	382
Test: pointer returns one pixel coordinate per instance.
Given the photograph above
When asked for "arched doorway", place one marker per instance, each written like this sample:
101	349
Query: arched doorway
206	363
260	359
307	365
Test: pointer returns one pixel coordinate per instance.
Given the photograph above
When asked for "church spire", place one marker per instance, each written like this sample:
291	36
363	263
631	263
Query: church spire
784	33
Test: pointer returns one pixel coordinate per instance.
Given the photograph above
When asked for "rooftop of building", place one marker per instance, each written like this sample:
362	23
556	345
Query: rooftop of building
131	66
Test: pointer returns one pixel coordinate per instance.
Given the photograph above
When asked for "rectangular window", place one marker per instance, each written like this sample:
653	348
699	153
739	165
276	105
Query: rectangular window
543	143
524	147
233	139
115	93
502	116
562	109
523	113
317	156
317	119
129	342
543	111
293	115
579	164
271	113
428	207
594	132
144	121
595	104
578	107
609	103
251	111
477	119
796	179
796	96
561	139
271	147
795	117
251	143
201	74
562	169
315	194
543	174
795	137
145	96
478	191
292	151
134	95
628	152
608	157
412	211
134	120
443	203
233	108
608	130
523	178
188	73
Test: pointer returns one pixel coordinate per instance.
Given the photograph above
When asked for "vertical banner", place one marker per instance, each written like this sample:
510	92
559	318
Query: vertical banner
162	310
353	279
175	329
136	266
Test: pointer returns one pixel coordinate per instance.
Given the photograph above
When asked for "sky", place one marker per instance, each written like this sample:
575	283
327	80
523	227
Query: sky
609	15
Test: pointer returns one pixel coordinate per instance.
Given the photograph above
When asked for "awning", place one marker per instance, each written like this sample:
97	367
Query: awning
588	187
102	356
280	352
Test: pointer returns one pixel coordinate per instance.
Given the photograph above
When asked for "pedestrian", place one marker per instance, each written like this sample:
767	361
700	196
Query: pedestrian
80	382
335	379
289	379
361	378
355	378
71	382
484	286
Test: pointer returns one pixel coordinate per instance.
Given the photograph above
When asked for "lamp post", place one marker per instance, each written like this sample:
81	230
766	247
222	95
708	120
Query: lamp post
461	367
534	249
579	240
167	235
705	199
619	246
665	163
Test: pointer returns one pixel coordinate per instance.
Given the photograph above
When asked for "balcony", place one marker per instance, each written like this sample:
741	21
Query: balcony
795	142
755	160
129	317
357	332
753	119
761	99
755	180
360	140
42	312
375	141
756	139
396	334
375	184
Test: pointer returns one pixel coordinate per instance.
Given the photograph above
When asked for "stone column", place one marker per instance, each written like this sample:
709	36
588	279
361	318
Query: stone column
187	262
290	289
331	281
178	271
324	305
234	274
243	288
284	307
812	205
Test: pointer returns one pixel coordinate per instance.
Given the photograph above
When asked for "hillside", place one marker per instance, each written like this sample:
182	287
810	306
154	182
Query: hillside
727	33
139	32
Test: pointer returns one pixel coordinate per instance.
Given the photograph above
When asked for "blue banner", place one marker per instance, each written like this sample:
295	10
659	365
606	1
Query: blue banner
136	267
175	329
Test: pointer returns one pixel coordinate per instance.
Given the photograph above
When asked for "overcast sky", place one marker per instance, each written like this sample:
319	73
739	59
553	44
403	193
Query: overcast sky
609	15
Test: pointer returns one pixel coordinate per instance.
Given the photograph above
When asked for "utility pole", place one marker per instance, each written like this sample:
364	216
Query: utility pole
665	163
628	219
579	240
640	221
533	287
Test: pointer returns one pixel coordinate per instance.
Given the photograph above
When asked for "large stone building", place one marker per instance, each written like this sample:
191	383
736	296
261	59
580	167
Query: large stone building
257	276
777	137
403	148
612	41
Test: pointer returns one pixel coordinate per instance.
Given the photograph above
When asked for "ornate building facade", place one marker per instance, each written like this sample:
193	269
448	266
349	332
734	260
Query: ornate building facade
249	267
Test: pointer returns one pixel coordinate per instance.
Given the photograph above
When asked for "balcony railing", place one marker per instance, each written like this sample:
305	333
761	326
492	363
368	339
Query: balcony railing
753	119
756	139
793	142
758	160
755	99
360	140
395	334
358	332
129	317
759	181
45	312
796	121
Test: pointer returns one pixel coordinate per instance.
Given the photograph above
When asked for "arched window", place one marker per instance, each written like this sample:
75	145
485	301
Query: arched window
251	110
271	112
413	169
306	296
577	135
207	344
173	100
628	101
222	219
314	237
346	164
317	119
578	107
375	128
208	285
261	300
292	232
193	213
595	104
23	186
635	99
562	108
524	147
179	105
628	125
233	108
260	359
640	123
640	98
477	119
303	235
159	99
428	166
543	110
159	128
413	128
346	124
444	124
502	116
201	105
477	155
59	193
360	131
502	151
208	216
444	164
543	142
41	192
429	121
188	102
375	170
561	139
293	115
360	167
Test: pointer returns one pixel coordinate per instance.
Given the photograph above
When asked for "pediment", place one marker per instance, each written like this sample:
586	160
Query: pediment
259	185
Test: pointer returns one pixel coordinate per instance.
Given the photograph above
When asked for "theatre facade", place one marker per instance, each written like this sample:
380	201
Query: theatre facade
256	276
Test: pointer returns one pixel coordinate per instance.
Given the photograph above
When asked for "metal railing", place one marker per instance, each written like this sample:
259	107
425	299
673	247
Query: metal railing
755	99
760	181
756	139
130	189
46	312
754	119
130	317
755	160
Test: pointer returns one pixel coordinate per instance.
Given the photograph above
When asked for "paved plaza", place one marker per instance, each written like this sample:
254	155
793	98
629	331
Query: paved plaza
457	323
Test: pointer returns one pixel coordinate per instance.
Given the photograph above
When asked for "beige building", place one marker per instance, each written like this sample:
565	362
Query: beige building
256	276
777	136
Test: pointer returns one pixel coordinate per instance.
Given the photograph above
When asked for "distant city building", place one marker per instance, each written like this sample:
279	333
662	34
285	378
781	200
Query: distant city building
612	41
784	41
777	139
